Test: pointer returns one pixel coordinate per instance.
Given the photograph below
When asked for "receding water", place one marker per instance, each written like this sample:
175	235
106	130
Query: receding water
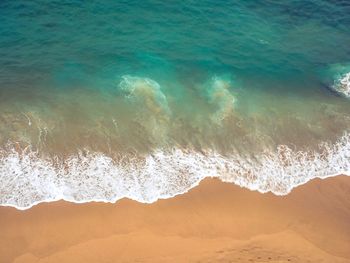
143	99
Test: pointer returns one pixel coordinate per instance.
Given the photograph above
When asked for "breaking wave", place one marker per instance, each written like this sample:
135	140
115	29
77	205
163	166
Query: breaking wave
342	85
28	179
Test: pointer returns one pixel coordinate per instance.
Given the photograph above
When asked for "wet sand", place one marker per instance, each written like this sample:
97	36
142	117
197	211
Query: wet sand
215	222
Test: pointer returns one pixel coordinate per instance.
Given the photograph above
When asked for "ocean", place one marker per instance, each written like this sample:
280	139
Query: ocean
101	100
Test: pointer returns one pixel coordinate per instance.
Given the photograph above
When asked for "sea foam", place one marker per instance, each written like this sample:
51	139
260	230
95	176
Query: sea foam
337	78
28	179
342	84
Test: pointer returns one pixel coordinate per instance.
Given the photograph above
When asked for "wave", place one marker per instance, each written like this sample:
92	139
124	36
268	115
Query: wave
145	92
337	78
150	105
342	85
28	179
219	95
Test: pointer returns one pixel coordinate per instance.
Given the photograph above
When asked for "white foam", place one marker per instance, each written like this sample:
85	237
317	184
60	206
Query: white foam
28	179
342	84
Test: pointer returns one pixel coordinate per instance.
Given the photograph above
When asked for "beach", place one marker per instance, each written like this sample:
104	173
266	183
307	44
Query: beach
155	131
214	222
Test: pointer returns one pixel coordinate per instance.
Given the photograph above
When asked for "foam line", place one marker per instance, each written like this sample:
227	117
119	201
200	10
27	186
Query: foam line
28	179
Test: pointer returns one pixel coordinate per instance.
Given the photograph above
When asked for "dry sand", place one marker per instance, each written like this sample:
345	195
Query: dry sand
215	222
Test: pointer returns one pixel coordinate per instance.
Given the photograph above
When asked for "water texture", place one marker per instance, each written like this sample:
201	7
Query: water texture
144	99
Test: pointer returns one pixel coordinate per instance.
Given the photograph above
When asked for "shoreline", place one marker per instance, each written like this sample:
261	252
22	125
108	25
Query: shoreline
96	177
213	221
196	184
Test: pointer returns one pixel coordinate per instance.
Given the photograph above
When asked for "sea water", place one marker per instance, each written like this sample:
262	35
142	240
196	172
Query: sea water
101	100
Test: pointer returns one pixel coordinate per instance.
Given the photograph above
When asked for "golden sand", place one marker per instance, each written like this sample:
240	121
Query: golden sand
215	222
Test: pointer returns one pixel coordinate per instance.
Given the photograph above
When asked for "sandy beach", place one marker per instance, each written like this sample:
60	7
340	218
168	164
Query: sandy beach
203	131
214	222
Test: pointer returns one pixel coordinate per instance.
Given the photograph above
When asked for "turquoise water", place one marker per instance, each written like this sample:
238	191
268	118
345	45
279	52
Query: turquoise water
143	99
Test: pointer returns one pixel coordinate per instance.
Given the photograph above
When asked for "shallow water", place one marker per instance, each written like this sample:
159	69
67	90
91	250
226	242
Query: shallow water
143	100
